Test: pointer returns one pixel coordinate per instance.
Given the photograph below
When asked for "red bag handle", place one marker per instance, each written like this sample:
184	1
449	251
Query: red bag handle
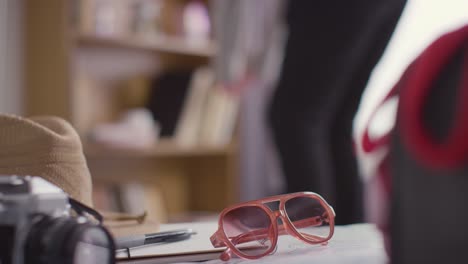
453	151
369	144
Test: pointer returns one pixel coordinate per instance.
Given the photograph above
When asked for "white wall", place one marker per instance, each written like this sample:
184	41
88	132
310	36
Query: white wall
11	84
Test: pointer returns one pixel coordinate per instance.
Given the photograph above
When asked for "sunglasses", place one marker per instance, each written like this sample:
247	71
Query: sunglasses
250	230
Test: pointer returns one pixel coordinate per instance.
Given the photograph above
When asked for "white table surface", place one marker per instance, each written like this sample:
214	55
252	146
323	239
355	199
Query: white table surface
359	244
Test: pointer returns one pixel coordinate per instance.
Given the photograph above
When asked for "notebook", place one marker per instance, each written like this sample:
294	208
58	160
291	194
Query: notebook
359	243
197	248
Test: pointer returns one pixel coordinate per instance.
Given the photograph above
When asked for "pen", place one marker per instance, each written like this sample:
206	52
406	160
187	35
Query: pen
154	238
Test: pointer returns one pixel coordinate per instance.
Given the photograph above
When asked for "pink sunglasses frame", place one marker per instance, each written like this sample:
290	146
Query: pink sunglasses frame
219	238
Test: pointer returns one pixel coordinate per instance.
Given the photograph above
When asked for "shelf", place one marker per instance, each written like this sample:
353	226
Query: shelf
160	44
164	149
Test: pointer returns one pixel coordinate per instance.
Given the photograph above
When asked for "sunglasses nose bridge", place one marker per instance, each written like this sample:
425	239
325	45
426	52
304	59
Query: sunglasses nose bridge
281	214
278	214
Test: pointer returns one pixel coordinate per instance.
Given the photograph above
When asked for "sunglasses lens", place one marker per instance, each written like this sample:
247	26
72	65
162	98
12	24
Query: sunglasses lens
309	217
249	229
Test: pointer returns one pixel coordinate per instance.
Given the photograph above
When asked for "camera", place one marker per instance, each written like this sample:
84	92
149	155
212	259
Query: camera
39	223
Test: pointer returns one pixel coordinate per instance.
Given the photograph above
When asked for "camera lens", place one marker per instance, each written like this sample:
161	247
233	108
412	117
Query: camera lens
90	245
68	241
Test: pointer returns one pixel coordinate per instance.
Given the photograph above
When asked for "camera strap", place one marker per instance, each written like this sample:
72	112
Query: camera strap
82	209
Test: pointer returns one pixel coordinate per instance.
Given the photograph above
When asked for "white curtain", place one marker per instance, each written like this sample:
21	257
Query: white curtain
11	53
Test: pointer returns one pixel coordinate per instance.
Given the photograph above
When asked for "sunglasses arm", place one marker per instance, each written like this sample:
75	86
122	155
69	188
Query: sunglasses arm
216	241
263	233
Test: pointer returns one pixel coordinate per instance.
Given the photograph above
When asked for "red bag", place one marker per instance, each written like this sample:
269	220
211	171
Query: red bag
424	173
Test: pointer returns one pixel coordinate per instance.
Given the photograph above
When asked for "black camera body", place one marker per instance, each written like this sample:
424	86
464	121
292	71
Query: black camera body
38	225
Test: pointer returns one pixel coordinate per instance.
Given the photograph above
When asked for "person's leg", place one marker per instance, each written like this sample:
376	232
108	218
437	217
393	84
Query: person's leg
348	182
298	121
321	72
303	150
348	199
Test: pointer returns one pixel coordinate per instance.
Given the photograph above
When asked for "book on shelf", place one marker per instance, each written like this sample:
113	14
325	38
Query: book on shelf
209	113
116	17
167	98
142	19
190	122
220	118
193	110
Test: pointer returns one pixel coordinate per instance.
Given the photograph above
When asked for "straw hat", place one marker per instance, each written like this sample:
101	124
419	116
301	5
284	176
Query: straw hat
49	147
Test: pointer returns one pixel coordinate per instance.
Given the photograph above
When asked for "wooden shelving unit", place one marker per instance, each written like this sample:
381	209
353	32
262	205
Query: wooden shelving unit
198	178
166	148
157	44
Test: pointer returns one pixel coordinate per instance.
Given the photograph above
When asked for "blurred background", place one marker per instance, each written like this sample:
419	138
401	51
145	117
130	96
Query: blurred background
170	97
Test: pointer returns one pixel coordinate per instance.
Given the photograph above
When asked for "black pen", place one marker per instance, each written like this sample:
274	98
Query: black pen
155	238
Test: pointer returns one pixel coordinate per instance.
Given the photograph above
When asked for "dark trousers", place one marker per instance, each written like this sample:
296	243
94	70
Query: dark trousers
331	50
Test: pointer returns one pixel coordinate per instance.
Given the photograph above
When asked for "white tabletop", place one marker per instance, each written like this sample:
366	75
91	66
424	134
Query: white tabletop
359	244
